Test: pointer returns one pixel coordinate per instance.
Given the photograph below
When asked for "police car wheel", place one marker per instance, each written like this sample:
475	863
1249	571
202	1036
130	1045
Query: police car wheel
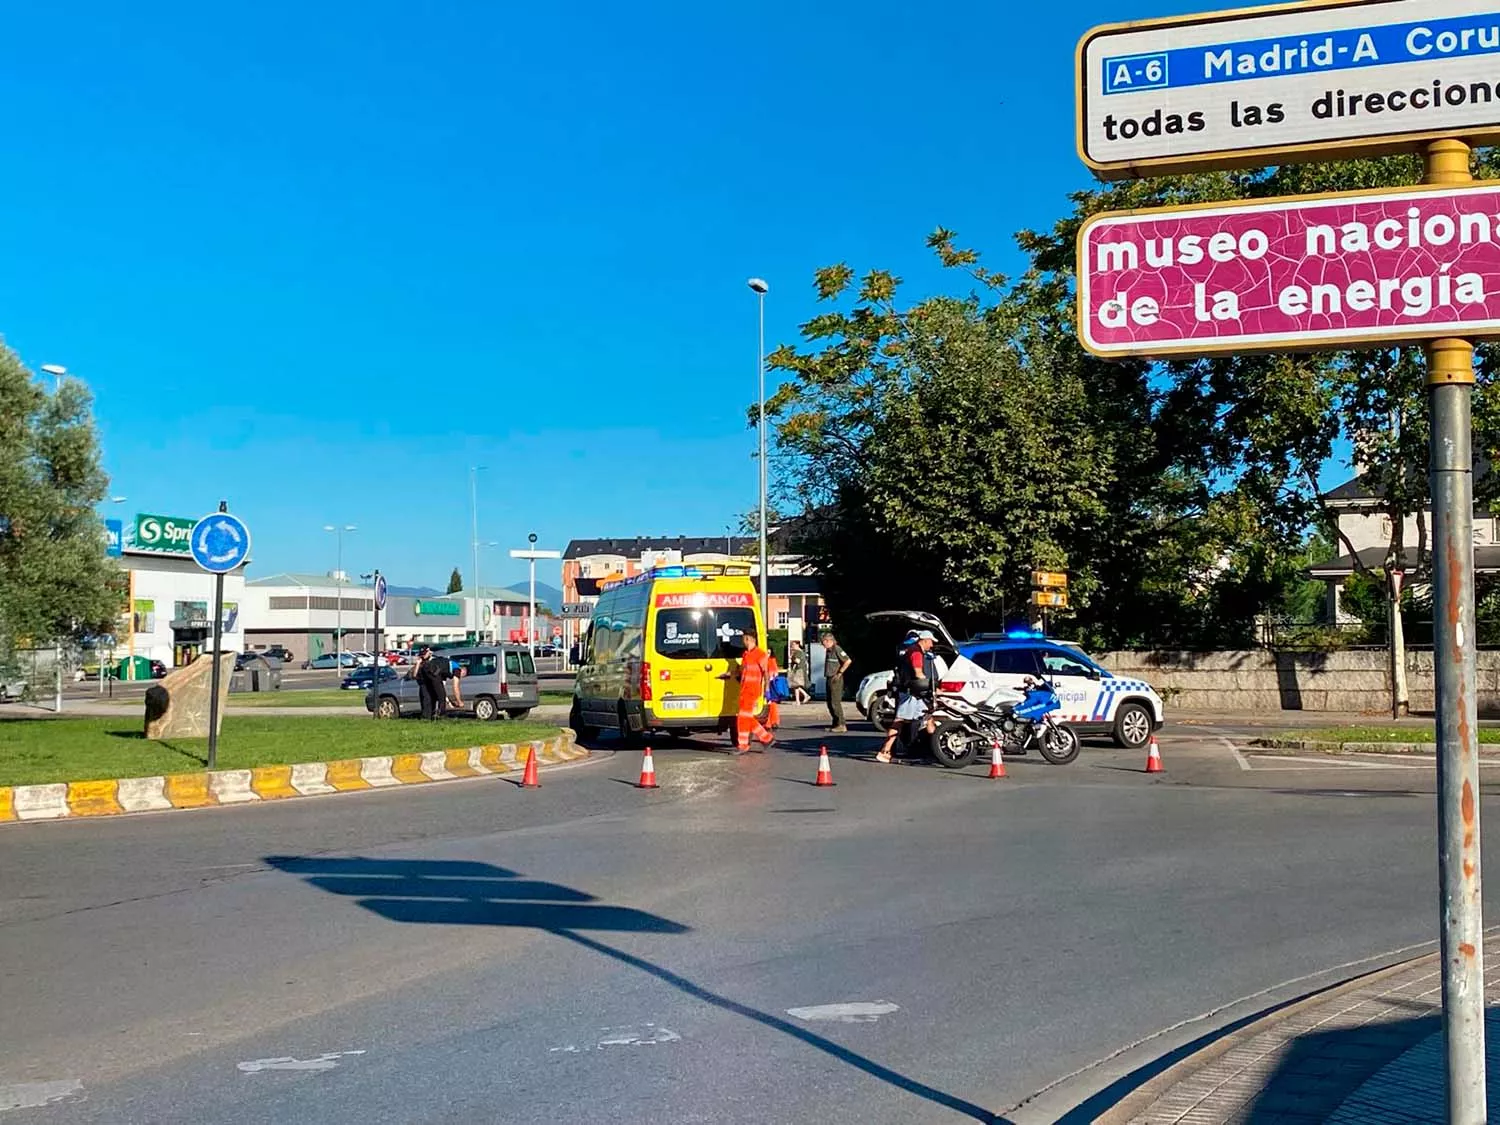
881	711
1132	727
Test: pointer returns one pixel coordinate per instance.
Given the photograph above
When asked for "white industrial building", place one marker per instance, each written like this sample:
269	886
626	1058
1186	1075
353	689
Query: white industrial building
306	613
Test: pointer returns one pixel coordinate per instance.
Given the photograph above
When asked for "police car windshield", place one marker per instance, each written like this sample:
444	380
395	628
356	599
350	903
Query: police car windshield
702	634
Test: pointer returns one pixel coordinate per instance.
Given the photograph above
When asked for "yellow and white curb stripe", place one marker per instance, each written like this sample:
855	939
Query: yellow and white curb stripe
273	783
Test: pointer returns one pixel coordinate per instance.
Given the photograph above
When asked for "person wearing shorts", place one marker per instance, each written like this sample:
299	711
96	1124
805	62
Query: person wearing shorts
918	671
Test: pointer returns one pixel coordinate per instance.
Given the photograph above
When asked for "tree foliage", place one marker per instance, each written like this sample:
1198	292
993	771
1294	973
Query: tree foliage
56	582
455	581
943	448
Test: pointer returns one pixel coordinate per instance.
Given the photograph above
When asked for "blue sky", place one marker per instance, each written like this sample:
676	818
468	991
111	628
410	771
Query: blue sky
318	259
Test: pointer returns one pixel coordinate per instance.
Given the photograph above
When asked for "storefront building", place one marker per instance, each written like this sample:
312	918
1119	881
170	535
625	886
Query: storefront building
793	599
170	599
308	613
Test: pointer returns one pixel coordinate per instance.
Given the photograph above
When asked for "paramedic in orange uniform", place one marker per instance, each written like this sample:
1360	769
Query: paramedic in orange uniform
754	676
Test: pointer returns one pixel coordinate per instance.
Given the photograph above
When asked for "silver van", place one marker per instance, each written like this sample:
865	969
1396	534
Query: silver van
499	679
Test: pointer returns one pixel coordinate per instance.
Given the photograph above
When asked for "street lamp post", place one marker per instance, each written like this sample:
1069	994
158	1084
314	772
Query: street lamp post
533	554
760	288
338	582
57	371
474	471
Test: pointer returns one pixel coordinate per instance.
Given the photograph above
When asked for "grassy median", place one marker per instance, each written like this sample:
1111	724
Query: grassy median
1377	733
36	751
337	697
314	697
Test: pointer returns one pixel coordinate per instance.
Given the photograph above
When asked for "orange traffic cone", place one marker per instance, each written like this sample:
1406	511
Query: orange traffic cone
825	771
1153	757
648	772
529	779
997	763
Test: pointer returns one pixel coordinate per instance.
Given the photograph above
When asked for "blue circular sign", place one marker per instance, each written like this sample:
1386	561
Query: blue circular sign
220	542
380	591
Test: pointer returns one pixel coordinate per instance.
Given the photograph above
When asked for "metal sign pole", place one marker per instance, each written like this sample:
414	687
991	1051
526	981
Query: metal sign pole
1450	381
375	671
213	689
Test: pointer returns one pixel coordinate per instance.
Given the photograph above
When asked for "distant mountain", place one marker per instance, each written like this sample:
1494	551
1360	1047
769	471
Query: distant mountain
549	596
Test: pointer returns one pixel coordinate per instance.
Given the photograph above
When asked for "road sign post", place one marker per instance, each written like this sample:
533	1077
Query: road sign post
377	601
1450	383
220	543
1274	85
1321	81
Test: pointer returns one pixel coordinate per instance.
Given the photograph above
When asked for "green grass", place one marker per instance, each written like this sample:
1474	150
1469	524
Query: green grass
549	698
315	697
1377	734
36	751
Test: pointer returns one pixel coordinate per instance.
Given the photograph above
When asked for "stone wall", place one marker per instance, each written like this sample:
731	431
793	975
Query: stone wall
1258	680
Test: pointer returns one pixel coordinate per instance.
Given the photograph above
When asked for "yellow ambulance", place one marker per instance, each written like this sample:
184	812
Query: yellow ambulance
661	651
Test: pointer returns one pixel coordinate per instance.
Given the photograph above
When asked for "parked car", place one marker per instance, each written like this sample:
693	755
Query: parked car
363	659
1095	701
11	690
395	657
331	660
361	678
278	652
501	679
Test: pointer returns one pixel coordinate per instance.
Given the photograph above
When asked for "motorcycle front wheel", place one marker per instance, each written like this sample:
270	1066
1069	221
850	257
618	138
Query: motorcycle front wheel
951	745
1058	744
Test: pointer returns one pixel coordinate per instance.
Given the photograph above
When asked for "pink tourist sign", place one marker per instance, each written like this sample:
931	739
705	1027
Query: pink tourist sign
1297	273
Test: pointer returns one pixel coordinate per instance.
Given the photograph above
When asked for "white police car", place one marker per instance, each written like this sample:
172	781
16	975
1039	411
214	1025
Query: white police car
1095	702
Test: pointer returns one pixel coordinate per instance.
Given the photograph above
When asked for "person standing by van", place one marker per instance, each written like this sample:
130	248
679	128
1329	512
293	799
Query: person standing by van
430	677
835	663
754	677
797	677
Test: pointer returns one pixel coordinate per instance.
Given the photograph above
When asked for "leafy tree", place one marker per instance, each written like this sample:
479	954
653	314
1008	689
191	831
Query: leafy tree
55	581
455	581
1266	425
947	449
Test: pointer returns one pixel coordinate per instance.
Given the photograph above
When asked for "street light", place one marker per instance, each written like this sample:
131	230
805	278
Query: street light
57	371
760	288
533	554
338	579
474	471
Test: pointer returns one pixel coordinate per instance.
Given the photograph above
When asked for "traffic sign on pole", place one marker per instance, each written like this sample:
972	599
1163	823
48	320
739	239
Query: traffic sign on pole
220	542
379	590
1303	272
1292	82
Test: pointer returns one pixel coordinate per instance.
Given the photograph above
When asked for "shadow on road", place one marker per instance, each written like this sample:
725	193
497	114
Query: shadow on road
459	892
1337	1075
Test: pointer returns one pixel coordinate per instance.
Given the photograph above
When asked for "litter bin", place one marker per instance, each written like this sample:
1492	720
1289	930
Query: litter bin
257	674
134	668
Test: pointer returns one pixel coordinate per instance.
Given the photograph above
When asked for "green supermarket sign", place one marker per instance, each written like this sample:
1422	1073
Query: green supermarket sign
436	609
168	535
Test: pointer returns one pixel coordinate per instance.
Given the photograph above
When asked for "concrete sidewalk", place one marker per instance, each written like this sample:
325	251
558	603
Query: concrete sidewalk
1370	1051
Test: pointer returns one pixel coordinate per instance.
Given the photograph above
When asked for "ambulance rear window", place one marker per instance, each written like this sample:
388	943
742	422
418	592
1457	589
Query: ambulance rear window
702	634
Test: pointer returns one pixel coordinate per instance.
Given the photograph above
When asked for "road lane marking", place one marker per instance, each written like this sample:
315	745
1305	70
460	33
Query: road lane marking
326	1061
860	1011
645	1035
1238	757
33	1095
648	1035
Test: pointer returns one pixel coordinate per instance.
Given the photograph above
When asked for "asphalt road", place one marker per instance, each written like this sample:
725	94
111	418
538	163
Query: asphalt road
590	952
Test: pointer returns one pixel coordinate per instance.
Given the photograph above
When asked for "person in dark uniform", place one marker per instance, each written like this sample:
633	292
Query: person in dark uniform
429	676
